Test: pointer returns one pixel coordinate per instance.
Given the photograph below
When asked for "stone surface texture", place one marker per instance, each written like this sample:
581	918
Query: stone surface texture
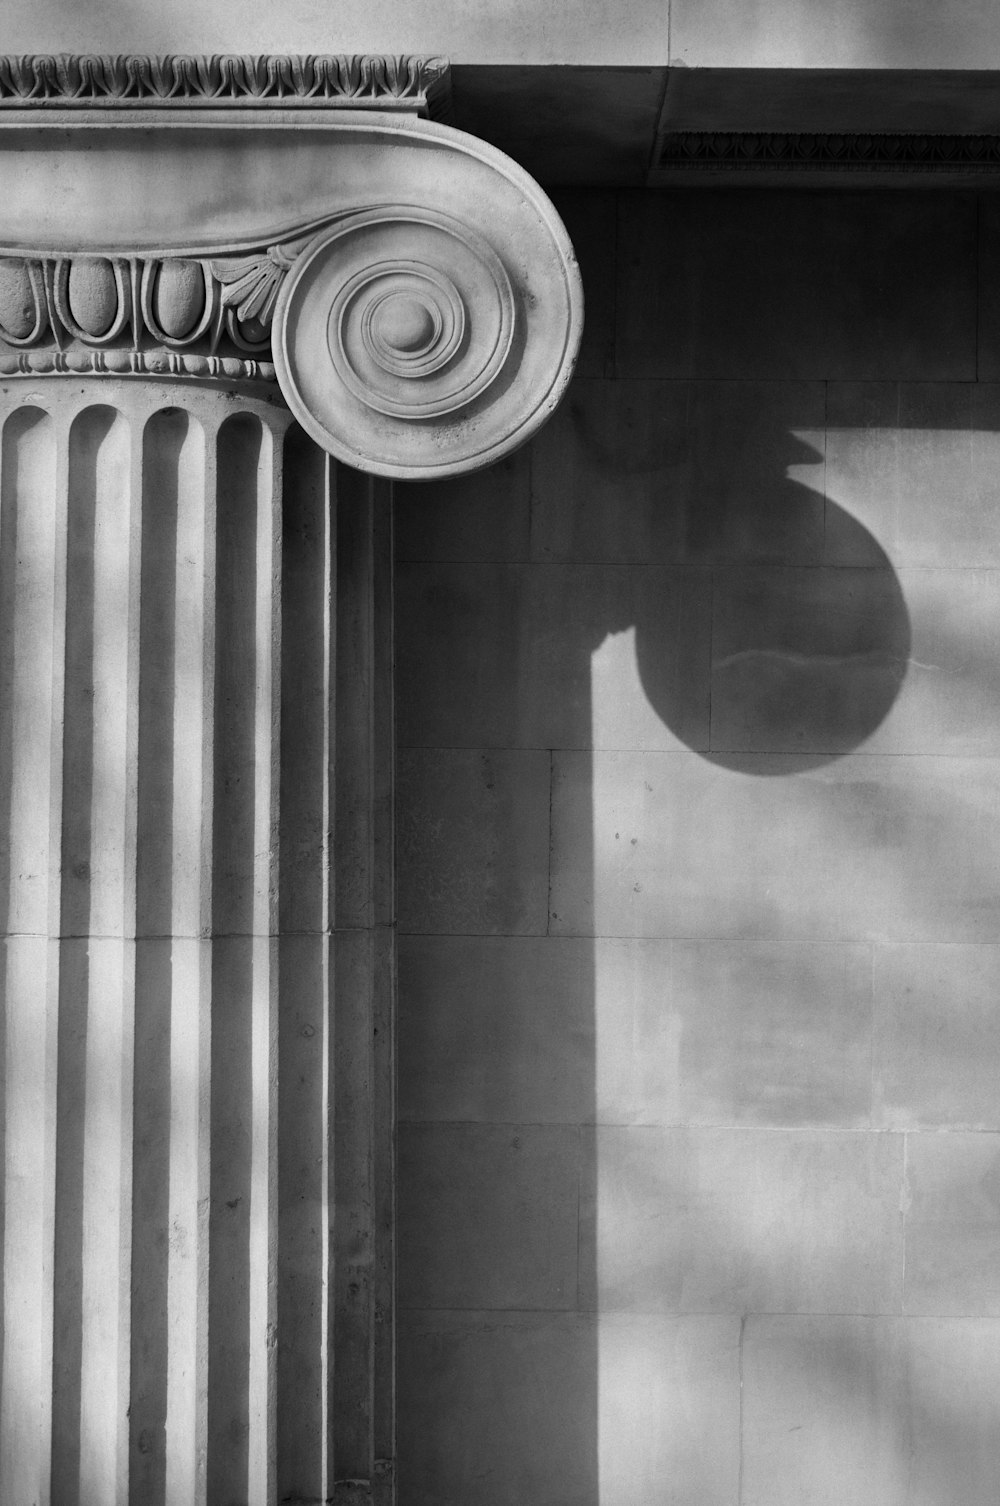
176	943
700	873
864	34
197	770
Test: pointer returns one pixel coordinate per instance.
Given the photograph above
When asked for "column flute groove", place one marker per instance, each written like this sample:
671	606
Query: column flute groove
33	511
238	298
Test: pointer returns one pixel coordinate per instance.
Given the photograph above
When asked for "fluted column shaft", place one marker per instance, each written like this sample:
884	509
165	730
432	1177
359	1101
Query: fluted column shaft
169	758
196	883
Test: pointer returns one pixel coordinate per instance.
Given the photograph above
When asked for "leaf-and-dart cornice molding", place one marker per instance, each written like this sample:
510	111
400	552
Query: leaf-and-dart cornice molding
411	289
64	81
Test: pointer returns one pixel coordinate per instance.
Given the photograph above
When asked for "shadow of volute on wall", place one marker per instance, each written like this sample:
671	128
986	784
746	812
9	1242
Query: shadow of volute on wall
806	659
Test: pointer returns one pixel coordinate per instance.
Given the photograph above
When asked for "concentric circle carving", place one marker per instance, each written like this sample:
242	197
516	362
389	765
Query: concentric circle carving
398	337
398	325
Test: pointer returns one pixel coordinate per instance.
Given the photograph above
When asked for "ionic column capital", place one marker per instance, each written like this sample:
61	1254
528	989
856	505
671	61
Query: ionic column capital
411	289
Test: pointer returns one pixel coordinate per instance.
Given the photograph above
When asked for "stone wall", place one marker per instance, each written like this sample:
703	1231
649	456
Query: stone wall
861	34
699	842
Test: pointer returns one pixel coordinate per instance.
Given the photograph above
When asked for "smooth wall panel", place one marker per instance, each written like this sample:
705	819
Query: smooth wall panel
827	660
590	218
501	656
863	34
650	472
500	1402
497	1407
916	465
952	1224
485	516
592	35
858	1409
937	1037
785	847
508	1029
776	284
488	1215
496	1029
735	1220
766	1033
762	992
473	840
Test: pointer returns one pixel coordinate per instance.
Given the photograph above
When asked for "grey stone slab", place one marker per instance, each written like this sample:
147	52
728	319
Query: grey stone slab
954	1381
690	1033
937	1037
781	847
499	1410
953	1224
848	286
591	219
485	516
850	1411
825	1412
864	36
795	100
566	1030
472	838
681	472
772	1035
517	37
726	1033
805	661
522	655
989	293
738	1220
823	661
668	1409
496	1029
487	1215
461	679
914	469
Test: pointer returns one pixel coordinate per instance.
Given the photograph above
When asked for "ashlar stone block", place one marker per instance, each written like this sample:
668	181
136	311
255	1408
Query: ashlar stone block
752	286
783	847
851	1410
487	1216
569	1408
553	655
739	1221
937	1037
953	1224
473	840
916	464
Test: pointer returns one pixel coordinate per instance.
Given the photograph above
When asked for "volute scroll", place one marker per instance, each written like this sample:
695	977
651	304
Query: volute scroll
411	289
407	344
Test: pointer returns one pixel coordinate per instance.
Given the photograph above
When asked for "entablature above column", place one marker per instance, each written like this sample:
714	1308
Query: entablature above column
410	288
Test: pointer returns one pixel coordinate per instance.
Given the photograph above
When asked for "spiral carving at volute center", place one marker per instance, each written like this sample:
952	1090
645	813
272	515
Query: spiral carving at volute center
395	317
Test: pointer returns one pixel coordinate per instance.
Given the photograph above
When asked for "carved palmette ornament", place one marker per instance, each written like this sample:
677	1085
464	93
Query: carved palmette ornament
397	340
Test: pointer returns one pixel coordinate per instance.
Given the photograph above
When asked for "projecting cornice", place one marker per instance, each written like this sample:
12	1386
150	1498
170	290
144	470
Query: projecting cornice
411	289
